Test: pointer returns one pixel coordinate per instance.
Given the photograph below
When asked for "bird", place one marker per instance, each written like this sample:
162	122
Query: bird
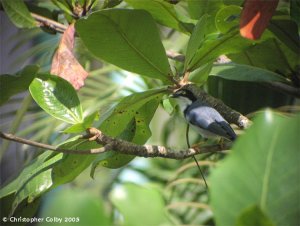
207	121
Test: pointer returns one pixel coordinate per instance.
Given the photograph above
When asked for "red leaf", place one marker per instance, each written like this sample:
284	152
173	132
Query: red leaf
64	63
255	17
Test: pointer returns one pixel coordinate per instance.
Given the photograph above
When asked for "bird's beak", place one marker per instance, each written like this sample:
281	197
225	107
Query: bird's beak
173	95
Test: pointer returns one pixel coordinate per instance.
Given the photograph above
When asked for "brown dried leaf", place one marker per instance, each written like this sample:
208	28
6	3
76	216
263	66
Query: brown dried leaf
64	63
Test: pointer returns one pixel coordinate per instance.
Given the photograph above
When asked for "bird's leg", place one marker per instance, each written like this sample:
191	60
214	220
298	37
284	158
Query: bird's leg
221	143
200	143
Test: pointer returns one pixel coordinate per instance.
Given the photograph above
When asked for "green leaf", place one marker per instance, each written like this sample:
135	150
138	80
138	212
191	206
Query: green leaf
200	75
118	36
116	160
18	13
48	171
168	105
261	170
116	120
72	165
253	216
130	121
80	127
57	97
11	85
163	12
198	8
294	11
130	198
84	208
227	18
12	187
286	31
230	42
35	179
270	54
240	72
197	38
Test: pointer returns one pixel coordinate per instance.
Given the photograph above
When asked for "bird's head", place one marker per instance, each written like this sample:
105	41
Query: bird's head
184	97
184	94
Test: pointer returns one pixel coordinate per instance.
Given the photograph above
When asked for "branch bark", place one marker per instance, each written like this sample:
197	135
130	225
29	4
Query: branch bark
228	113
122	146
44	21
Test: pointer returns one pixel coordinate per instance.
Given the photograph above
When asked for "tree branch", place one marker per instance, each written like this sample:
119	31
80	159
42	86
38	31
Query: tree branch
287	89
44	21
122	146
228	113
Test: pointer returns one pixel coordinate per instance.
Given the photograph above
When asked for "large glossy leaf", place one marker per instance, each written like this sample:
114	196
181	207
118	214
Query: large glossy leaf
228	43
130	121
196	39
116	120
163	12
240	72
12	187
72	165
118	36
35	179
48	171
13	84
294	11
200	75
262	170
286	31
145	202
253	216
198	8
83	208
57	97
18	13
270	54
227	18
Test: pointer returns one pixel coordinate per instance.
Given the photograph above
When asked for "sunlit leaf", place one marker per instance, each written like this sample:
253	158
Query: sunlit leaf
133	49
57	97
240	72
267	158
227	18
35	179
130	121
197	38
84	208
18	13
228	43
135	195
164	13
81	127
198	8
253	216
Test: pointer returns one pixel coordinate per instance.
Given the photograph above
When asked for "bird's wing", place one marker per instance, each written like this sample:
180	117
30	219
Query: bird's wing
209	119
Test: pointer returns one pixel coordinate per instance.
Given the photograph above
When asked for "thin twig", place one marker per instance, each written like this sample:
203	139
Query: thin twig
44	21
175	56
189	146
120	146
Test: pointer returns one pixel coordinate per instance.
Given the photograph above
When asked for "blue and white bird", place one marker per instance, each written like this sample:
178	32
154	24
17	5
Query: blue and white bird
204	118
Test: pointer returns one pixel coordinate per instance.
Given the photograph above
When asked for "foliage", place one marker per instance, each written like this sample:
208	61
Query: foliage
246	187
